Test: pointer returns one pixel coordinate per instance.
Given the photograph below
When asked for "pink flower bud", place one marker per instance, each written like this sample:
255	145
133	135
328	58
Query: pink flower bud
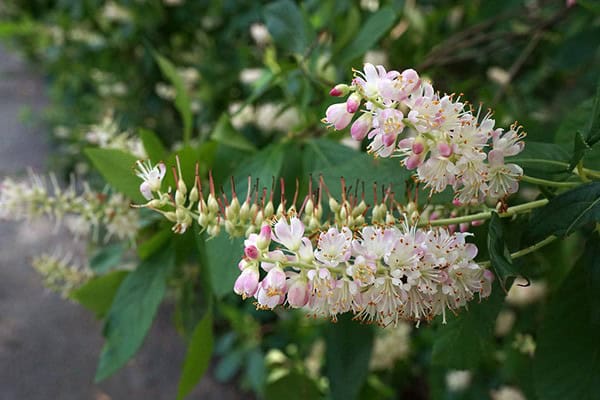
361	126
389	139
413	161
464	227
353	103
264	237
444	149
478	222
247	283
456	202
339	90
337	116
297	295
251	252
452	228
418	146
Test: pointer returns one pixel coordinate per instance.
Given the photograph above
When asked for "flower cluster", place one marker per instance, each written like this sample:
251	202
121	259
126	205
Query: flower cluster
83	214
439	136
381	274
59	273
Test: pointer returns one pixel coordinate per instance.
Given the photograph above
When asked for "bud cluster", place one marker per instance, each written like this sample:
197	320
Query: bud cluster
381	274
437	135
83	213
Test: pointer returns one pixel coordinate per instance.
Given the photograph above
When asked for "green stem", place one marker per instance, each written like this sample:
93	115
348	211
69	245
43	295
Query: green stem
545	182
526	207
587	171
581	172
526	250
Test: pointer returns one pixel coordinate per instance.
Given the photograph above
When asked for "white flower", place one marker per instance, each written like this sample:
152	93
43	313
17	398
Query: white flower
334	246
458	380
152	177
290	235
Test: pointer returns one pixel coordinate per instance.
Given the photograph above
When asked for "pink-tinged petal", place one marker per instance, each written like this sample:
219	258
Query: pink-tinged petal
282	232
251	252
298	294
413	161
162	169
444	149
495	157
370	72
471	251
146	191
389	140
338	116
361	126
297	228
418	146
406	143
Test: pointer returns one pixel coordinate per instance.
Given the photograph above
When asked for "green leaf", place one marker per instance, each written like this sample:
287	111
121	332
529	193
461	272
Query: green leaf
132	312
292	386
348	351
367	170
544	160
117	168
591	263
98	293
226	134
197	358
580	147
567	356
155	243
153	146
372	30
221	257
499	254
182	99
567	212
468	338
106	258
593	133
264	166
288	27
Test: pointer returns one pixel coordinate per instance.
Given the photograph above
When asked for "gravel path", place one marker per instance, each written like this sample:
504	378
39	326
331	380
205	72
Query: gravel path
49	347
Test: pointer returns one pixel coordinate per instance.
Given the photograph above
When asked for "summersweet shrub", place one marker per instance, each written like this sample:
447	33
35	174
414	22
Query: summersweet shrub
387	261
303	263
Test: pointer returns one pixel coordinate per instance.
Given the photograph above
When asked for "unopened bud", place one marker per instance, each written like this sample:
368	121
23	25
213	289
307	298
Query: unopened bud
344	212
411	207
193	197
418	145
269	210
359	209
213	204
309	207
181	187
339	90
389	218
334	205
179	198
264	237
444	149
154	203
203	220
213	230
353	103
